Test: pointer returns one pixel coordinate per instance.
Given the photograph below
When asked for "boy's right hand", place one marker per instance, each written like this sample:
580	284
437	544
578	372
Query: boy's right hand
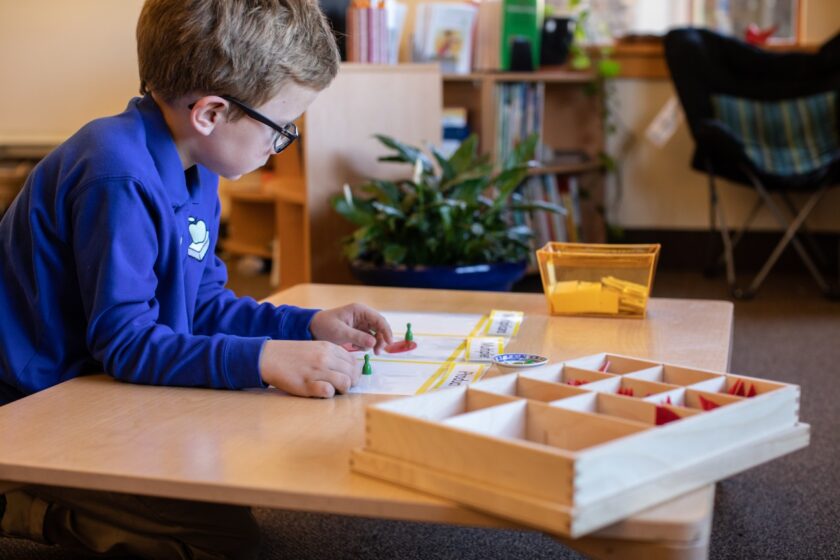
308	368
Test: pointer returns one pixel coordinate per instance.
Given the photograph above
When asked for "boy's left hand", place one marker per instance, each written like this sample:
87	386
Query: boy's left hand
352	324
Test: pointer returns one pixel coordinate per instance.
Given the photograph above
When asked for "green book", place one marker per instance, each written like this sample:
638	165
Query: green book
521	25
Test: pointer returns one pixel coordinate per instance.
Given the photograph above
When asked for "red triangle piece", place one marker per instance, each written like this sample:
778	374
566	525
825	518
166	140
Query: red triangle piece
752	392
707	404
665	415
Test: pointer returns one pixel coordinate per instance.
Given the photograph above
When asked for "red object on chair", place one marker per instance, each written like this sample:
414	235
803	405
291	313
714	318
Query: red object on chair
754	35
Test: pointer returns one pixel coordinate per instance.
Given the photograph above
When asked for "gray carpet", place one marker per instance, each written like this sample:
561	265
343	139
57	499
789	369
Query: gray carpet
789	508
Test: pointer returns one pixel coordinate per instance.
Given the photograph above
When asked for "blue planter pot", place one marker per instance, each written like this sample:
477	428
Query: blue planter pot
496	277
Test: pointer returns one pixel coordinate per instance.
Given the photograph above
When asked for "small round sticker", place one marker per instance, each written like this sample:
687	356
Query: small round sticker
519	360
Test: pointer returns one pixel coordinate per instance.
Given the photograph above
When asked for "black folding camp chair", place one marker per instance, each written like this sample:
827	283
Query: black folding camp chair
766	120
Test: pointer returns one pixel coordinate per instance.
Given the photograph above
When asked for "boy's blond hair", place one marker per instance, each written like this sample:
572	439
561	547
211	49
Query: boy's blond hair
248	49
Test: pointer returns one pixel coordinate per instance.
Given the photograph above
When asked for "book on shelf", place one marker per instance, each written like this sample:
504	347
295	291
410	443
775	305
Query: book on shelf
488	36
444	32
545	226
396	14
455	129
521	31
373	31
519	114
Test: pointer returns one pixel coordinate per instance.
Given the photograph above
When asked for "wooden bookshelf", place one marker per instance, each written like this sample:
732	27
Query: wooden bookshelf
571	117
572	122
566	168
549	75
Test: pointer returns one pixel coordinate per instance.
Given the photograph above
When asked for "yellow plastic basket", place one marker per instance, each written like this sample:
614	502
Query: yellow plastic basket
597	280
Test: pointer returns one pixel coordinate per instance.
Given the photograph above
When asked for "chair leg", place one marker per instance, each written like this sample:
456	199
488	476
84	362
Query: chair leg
717	209
788	237
806	232
715	255
738	236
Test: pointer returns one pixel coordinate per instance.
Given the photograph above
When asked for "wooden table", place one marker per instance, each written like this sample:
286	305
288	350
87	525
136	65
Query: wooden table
262	448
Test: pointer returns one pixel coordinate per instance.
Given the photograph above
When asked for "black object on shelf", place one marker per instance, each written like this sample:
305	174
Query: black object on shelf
556	40
520	55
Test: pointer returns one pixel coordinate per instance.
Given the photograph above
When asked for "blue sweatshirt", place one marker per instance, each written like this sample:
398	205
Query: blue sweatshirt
107	262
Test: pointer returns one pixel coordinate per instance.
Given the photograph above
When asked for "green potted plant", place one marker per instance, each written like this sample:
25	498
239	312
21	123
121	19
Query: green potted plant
452	224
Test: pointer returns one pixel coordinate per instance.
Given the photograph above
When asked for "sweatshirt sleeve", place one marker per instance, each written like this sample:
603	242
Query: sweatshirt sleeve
115	245
218	310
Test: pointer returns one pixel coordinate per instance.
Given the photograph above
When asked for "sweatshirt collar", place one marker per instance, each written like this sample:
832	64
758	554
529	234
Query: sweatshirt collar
164	153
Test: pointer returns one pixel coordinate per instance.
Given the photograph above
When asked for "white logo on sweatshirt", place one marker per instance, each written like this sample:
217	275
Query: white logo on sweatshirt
200	239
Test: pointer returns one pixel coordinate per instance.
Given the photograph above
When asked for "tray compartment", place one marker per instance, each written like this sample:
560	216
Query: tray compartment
634	388
738	385
451	402
621	407
516	385
675	375
540	423
568	375
613	363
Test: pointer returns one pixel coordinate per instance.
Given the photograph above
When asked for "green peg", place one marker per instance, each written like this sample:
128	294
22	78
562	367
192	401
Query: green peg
409	336
366	369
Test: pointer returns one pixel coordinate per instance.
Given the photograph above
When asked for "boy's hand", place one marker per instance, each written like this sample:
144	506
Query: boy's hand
308	369
352	324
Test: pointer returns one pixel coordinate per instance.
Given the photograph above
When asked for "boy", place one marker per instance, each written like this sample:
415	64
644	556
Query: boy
108	258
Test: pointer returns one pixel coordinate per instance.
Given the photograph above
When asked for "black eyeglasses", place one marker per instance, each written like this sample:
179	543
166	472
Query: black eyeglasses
284	135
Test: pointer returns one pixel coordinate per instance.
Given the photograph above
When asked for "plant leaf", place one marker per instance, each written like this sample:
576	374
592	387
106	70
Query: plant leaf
387	210
533	205
405	153
506	182
447	171
394	253
359	212
384	191
465	154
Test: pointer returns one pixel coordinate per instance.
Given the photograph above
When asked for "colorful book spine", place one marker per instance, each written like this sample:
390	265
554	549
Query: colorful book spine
521	29
368	36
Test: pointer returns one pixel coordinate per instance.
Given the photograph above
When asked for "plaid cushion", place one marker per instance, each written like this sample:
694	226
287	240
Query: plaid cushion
783	137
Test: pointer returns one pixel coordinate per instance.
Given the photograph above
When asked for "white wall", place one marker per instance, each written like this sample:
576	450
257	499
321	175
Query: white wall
64	63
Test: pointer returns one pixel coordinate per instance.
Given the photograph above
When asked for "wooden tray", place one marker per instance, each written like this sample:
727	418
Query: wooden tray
572	447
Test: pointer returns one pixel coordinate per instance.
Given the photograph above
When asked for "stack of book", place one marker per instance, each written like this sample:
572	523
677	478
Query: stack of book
455	129
367	32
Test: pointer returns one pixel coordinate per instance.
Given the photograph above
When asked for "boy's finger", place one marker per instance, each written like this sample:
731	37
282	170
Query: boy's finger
359	338
321	389
339	381
341	361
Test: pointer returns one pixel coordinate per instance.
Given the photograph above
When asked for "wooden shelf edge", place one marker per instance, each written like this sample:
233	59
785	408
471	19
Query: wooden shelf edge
566	168
559	75
240	248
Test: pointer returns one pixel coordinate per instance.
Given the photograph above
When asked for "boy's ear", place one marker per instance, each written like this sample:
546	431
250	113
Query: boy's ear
208	112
